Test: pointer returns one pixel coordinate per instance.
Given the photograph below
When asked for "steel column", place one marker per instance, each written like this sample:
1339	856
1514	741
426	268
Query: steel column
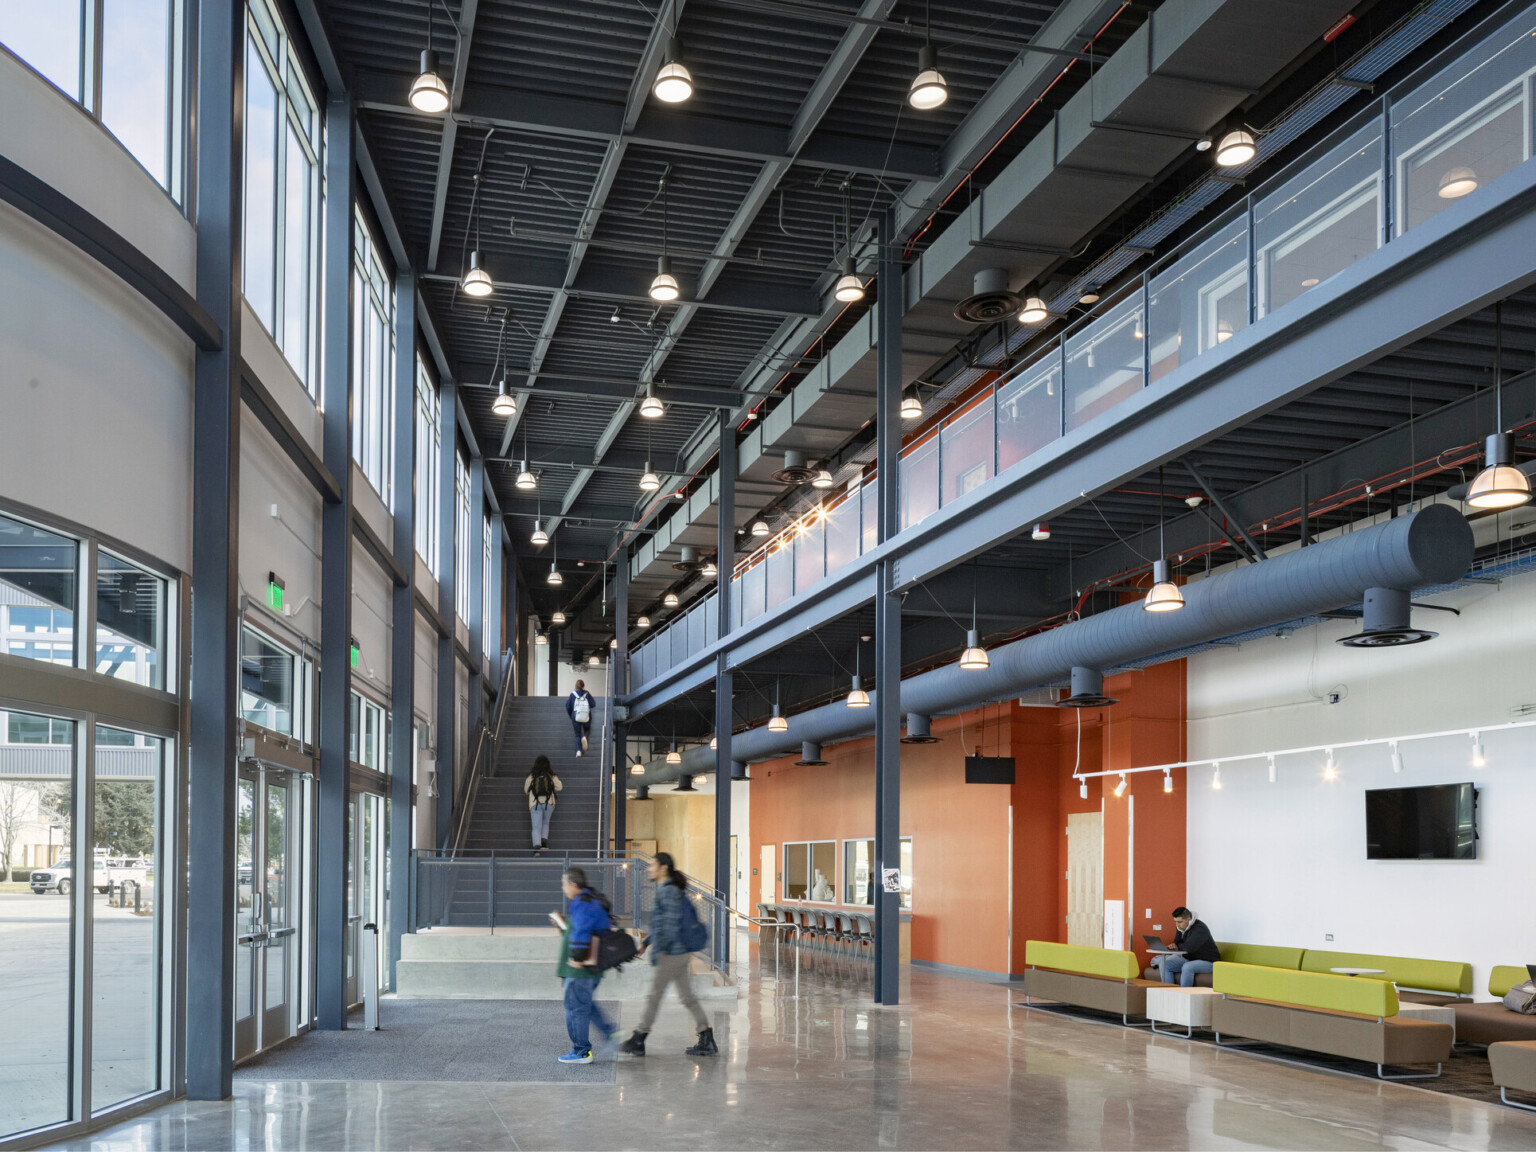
215	558
887	620
554	662
335	573
402	639
619	690
476	578
447	681
725	560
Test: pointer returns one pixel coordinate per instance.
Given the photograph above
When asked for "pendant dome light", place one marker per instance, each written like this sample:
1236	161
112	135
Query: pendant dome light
476	281
428	92
539	537
505	404
776	722
1500	484
822	479
1457	183
649	481
637	769
911	404
669	600
857	697
557	618
664	288
759	527
540	639
709	571
714	743
613	643
674	83
975	657
849	288
1164	595
929	89
1034	310
643	622
594	660
651	406
1236	146
554	578
526	481
673	755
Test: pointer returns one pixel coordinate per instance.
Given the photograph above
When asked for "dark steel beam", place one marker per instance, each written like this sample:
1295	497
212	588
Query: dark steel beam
725	560
476	621
66	219
619	690
1255	551
335	574
398	573
532	385
402	617
215	640
447	680
272	417
887	796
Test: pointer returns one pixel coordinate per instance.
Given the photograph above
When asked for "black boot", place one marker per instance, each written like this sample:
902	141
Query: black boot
705	1046
635	1045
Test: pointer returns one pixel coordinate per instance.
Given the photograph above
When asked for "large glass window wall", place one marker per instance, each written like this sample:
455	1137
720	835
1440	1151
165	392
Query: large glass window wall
123	61
373	362
1451	136
429	461
282	191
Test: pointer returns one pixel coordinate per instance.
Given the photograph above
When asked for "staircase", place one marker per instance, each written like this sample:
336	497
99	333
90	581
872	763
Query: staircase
499	819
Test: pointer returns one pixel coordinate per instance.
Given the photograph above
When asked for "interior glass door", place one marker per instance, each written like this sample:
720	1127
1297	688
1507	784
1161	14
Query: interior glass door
278	907
249	935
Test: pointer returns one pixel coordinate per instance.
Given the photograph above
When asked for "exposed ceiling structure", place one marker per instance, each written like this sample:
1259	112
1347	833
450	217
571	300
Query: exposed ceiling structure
559	164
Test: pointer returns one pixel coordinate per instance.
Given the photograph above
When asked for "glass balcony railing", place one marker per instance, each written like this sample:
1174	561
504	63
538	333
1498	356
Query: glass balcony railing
1443	139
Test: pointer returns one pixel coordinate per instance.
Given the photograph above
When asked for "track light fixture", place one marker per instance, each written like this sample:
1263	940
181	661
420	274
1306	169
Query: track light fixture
1082	790
1397	757
849	288
526	481
1120	787
674	83
1034	310
1500	484
911	405
1478	759
476	281
539	537
929	89
1273	772
428	92
1216	776
1236	146
1330	767
1167	782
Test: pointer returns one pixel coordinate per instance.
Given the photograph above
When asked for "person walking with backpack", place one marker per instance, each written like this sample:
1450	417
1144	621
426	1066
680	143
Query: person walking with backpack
542	786
579	706
585	921
675	934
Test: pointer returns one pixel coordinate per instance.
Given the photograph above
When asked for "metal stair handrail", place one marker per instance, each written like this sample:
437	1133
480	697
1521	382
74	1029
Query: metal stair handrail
488	735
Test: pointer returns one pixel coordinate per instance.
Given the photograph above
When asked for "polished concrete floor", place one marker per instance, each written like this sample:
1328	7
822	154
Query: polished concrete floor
957	1065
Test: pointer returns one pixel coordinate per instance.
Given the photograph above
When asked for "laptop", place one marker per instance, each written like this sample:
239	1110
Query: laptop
1155	944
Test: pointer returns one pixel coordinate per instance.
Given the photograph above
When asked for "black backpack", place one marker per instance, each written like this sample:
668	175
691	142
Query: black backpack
543	786
614	947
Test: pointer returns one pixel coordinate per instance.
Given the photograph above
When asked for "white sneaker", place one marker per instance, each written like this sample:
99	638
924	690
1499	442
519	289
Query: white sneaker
583	743
578	755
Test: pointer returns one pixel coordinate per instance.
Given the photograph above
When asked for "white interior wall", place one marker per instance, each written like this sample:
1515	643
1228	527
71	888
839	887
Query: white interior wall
371	608
287	543
97	390
1285	863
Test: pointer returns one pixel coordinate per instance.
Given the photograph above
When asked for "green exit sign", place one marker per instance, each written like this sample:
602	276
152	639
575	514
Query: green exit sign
357	653
275	590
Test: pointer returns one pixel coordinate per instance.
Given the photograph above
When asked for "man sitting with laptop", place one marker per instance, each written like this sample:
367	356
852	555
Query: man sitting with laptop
1194	950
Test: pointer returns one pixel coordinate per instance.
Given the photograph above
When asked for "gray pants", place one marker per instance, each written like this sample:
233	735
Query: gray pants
671	970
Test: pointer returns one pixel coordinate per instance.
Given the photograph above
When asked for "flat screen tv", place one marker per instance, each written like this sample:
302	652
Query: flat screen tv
1438	822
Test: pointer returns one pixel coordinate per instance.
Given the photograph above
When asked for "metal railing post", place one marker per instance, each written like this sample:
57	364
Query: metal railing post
490	891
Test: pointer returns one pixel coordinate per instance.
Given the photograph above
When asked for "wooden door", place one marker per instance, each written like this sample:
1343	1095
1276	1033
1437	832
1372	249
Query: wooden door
1085	879
768	886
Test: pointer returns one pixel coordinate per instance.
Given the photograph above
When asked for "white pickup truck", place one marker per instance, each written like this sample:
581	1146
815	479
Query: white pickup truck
106	872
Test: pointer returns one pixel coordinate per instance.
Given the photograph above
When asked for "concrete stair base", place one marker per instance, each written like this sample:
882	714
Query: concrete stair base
515	966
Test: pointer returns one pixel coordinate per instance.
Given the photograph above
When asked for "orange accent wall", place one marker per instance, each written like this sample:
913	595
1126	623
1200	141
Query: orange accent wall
978	846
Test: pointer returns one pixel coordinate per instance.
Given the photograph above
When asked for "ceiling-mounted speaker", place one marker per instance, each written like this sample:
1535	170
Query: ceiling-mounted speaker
1088	690
795	470
1388	622
990	301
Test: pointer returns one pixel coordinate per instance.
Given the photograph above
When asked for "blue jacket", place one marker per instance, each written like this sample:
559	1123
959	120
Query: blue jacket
584	916
666	936
570	704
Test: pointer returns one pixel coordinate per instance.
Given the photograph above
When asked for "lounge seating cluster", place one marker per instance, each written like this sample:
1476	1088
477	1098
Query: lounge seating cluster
1291	997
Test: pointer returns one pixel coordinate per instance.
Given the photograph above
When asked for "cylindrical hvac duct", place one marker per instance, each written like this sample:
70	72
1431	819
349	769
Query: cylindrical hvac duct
1431	546
989	280
810	753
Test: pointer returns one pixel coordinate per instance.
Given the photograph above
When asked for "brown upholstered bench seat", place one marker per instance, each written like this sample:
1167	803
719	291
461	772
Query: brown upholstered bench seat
1372	1039
1513	1064
1124	998
1490	1023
